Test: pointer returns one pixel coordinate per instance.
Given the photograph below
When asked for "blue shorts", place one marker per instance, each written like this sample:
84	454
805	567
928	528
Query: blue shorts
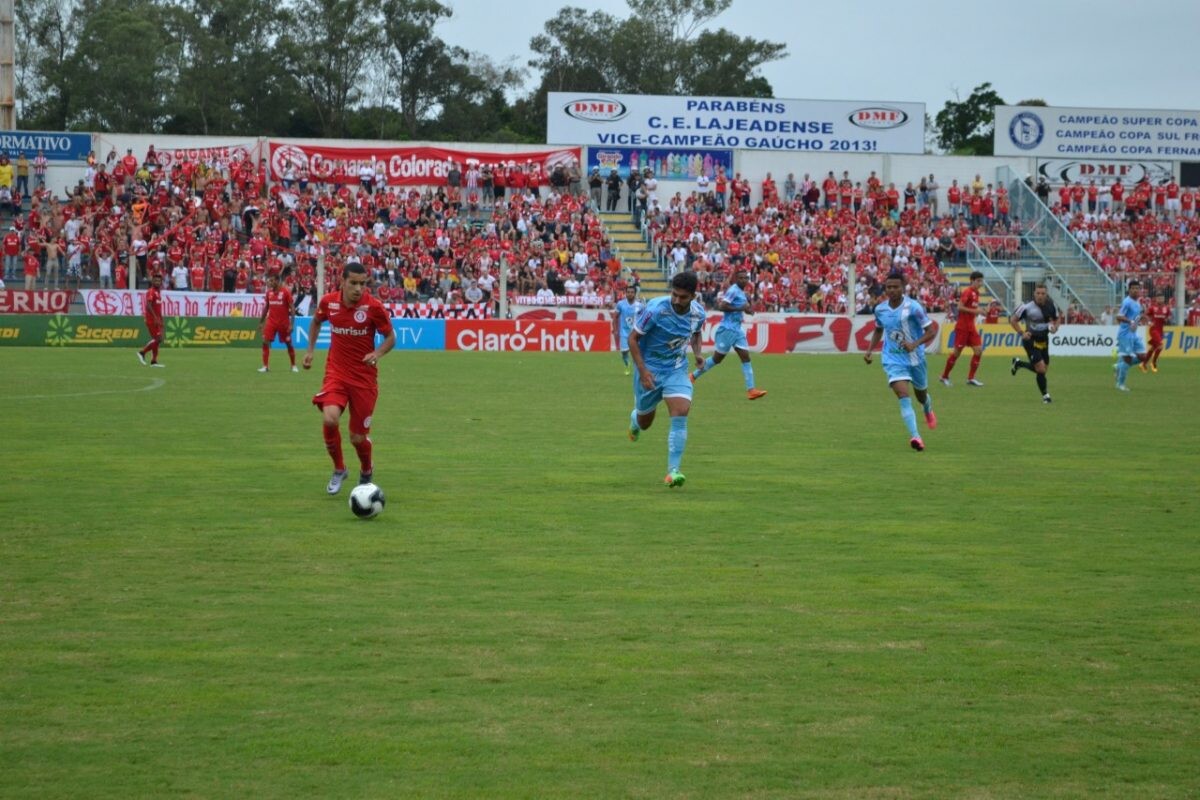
1130	344
675	383
623	342
915	374
727	339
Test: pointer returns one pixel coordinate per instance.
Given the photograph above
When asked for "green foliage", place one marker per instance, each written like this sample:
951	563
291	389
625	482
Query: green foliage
965	127
818	613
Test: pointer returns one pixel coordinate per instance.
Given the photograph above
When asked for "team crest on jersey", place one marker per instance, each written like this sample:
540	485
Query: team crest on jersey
360	316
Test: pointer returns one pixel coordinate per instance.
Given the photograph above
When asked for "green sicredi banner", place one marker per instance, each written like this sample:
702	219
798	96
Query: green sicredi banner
68	330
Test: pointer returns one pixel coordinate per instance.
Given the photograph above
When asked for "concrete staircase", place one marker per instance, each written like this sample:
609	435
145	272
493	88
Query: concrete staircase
634	252
960	276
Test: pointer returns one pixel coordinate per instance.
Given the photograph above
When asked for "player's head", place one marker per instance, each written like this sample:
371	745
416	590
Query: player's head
630	293
683	291
977	279
741	277
354	281
1040	294
273	280
1135	289
156	279
1160	299
893	285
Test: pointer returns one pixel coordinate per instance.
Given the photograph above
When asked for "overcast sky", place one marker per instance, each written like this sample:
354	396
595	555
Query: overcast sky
1102	53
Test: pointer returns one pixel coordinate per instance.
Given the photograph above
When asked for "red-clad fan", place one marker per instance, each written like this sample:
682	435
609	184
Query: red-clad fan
278	318
351	375
966	334
153	314
1159	314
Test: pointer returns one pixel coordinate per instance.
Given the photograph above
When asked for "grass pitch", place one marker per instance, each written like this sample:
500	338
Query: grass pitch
819	612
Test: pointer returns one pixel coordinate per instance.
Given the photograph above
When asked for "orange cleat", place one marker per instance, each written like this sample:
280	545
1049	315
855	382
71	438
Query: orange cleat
754	394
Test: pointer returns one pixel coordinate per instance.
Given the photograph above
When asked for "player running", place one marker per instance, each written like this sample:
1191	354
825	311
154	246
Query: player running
1130	347
658	345
1041	319
625	312
351	376
965	332
908	329
1159	314
152	313
278	318
729	334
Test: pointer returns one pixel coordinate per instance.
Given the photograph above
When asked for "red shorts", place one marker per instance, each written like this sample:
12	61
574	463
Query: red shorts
1156	341
155	329
360	401
272	331
967	338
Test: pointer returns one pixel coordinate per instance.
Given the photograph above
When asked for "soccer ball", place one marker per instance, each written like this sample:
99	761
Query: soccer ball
366	501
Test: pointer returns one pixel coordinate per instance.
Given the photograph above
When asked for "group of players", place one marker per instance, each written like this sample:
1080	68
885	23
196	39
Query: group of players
656	337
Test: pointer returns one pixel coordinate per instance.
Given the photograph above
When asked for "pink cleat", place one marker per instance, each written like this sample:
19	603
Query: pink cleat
931	420
916	443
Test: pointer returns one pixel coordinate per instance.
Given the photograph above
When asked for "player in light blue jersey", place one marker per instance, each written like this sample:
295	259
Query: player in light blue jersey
1130	347
729	334
905	328
658	345
624	313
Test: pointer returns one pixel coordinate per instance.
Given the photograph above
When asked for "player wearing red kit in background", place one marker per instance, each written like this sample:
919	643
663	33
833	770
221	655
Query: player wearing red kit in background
965	332
351	377
152	312
1159	315
278	317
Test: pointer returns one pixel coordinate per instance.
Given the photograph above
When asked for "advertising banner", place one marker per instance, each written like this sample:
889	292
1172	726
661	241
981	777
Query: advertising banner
1069	170
19	301
580	300
1116	133
411	334
55	146
528	335
127	302
634	120
1082	340
62	330
440	311
405	166
668	164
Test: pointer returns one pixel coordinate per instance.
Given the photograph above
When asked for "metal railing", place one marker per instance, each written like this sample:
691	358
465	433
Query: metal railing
1047	240
998	279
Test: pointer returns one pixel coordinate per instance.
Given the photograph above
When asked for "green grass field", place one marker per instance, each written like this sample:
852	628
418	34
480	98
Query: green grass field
820	612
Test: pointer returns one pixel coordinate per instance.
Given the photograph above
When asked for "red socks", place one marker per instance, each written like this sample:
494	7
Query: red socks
974	366
291	354
363	449
333	445
266	355
950	362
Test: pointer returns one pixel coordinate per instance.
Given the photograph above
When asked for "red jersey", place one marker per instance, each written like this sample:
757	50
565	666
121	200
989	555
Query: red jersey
279	308
969	297
152	306
1158	316
352	336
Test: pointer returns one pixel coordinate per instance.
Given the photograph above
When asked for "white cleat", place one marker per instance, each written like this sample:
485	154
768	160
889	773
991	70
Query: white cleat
1122	387
335	481
946	381
142	359
974	382
263	369
156	364
295	368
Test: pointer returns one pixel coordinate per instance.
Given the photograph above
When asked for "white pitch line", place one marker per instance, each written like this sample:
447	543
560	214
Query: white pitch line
155	384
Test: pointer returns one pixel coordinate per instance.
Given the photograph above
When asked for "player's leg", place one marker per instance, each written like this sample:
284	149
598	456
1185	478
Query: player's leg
743	353
678	406
645	403
976	344
920	387
952	359
722	343
286	338
331	400
1156	348
898	381
362	410
1039	369
268	338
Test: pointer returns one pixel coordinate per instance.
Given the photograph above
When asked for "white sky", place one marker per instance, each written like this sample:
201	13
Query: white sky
1104	53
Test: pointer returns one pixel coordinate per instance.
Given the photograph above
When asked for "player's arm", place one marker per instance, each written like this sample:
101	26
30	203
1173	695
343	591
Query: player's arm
963	308
926	338
314	329
1015	322
876	337
697	351
389	338
635	352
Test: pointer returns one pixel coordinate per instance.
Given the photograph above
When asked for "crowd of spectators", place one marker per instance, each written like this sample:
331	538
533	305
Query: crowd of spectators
803	244
211	225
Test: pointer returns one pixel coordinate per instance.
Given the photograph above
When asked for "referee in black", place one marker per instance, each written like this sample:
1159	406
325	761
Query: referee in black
1041	319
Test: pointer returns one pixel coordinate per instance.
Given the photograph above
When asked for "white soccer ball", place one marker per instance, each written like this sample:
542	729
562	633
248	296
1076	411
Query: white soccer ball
367	500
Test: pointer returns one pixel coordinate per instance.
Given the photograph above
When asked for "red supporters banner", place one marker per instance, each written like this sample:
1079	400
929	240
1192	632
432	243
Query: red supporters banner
405	166
19	301
439	311
533	335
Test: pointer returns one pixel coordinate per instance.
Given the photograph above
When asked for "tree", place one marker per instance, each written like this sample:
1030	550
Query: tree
1034	102
723	63
46	35
965	127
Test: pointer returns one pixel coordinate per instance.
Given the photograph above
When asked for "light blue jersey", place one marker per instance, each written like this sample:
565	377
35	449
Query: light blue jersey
735	297
1128	341
905	323
626	313
666	335
1131	310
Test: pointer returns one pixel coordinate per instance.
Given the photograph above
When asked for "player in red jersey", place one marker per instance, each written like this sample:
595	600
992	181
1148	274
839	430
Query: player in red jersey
351	375
1159	315
278	317
965	333
152	312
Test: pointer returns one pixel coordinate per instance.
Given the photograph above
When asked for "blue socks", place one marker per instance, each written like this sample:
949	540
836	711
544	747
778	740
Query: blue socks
705	367
928	404
633	423
908	415
625	357
748	374
1122	371
677	440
